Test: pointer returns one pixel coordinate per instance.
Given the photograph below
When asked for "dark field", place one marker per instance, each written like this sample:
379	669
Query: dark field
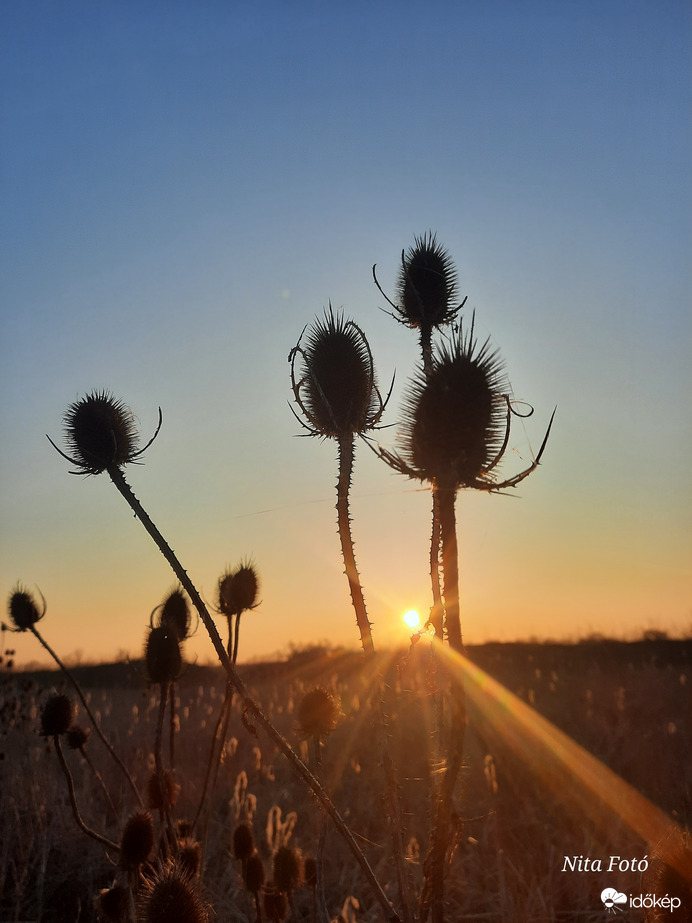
520	818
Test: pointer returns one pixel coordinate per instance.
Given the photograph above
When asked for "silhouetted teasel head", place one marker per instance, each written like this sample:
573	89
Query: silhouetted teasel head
318	713
287	869
162	799
427	284
190	856
101	433
137	841
239	589
77	737
23	609
243	842
174	613
114	904
333	379
457	419
254	873
57	716
171	895
162	655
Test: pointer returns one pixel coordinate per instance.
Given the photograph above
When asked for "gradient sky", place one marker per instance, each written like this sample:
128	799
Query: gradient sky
186	185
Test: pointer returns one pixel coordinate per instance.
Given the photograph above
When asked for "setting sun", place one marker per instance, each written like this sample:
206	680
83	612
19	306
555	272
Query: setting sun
412	618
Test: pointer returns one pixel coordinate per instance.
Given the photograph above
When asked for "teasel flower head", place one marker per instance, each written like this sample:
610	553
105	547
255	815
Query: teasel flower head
254	873
171	895
333	379
286	869
57	716
174	613
426	287
318	713
137	840
239	589
190	856
458	417
162	655
101	433
23	610
243	842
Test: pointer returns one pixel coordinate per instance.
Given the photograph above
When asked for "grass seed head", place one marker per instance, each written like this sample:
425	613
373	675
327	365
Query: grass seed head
23	610
318	713
427	285
57	716
162	655
137	840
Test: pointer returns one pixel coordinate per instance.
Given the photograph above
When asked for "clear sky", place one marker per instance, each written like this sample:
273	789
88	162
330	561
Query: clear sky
185	185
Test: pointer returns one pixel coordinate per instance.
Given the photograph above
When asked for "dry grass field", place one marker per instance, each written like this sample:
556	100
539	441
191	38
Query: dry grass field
517	818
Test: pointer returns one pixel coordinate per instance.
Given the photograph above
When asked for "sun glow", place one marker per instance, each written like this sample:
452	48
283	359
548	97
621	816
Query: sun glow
411	618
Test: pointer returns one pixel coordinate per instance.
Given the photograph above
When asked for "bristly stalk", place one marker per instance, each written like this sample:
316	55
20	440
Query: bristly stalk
104	442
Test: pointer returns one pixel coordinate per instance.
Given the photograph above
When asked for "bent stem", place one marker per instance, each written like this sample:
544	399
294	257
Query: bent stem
73	800
346	457
252	707
93	720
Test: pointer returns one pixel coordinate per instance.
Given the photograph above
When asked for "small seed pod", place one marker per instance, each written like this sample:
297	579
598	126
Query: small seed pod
57	716
238	590
254	873
162	655
175	613
286	869
427	285
318	713
275	904
23	610
243	842
172	895
170	792
77	737
137	840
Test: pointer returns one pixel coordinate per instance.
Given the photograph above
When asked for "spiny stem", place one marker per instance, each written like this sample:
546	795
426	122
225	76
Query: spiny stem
92	718
73	800
300	768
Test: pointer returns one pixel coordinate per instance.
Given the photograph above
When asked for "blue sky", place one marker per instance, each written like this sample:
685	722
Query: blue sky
186	185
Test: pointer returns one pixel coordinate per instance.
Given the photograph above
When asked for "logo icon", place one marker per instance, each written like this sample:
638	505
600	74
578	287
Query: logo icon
611	898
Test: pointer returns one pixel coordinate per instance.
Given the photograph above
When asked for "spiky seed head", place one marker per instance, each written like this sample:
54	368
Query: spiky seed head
190	856
318	713
23	610
238	589
243	842
286	868
336	390
77	737
114	904
427	284
137	840
162	655
254	873
100	432
455	418
275	904
57	716
172	895
157	798
175	613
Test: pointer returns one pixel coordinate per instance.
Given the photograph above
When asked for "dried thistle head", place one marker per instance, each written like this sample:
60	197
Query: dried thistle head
458	418
239	589
171	895
162	655
427	284
175	613
137	840
101	433
318	713
335	386
57	716
23	610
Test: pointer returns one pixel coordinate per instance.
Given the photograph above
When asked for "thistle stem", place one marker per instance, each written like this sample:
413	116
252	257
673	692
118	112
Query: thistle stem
73	800
299	767
92	718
